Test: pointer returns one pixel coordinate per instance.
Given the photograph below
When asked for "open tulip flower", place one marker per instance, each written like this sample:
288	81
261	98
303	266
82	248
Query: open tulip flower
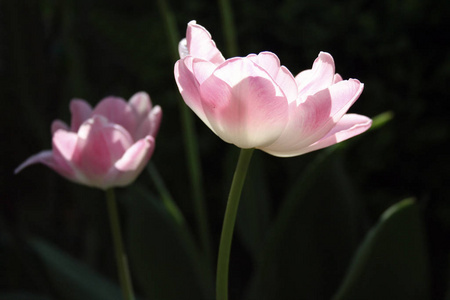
254	102
106	146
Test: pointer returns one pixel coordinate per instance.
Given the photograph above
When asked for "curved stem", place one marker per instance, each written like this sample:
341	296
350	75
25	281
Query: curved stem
166	197
228	223
121	257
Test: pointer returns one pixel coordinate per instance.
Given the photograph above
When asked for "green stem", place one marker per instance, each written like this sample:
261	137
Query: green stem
121	257
228	28
190	142
166	197
228	223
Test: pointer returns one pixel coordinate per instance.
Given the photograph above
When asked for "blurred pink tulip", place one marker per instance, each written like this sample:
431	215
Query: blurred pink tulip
106	146
254	102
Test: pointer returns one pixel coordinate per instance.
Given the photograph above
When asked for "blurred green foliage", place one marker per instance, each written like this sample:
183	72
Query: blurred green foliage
297	215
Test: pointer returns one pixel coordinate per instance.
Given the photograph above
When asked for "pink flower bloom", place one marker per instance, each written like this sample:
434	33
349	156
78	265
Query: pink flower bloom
103	147
254	102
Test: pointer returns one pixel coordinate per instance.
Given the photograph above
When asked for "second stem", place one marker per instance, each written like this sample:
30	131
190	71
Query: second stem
119	249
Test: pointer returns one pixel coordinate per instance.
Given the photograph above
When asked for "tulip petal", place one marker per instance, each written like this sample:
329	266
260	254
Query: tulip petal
65	142
200	44
268	61
202	69
312	119
150	126
126	169
321	111
44	157
65	150
141	104
53	160
189	87
318	78
58	124
305	124
116	110
81	111
343	94
280	74
349	126
183	50
136	155
337	78
287	83
243	104
101	144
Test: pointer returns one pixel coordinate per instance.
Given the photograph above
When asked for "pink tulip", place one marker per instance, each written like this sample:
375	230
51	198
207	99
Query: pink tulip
254	102
106	146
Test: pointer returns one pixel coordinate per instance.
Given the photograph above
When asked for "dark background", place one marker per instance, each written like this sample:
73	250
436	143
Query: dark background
53	51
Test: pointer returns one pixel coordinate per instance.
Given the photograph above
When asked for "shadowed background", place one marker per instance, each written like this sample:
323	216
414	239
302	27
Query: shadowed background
53	51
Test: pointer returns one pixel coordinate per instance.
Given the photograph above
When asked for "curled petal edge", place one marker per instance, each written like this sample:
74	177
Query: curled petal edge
44	157
349	126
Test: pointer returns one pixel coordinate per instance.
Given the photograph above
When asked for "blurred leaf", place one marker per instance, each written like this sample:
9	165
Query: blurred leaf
310	244
22	296
381	119
72	279
164	259
392	262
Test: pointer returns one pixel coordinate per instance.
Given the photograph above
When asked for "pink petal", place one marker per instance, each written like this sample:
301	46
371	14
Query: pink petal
54	161
343	94
183	49
349	126
200	44
65	150
137	155
318	78
202	69
141	104
268	61
305	124
243	104
280	74
189	87
155	120
101	145
127	169
44	157
150	126
81	111
287	83
58	124
312	119
337	78
66	143
116	110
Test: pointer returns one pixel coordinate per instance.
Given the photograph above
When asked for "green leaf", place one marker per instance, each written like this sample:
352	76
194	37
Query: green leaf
392	261
381	119
309	246
72	279
165	262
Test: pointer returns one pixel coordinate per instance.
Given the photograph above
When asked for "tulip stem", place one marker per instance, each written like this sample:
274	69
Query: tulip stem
166	197
121	257
228	223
